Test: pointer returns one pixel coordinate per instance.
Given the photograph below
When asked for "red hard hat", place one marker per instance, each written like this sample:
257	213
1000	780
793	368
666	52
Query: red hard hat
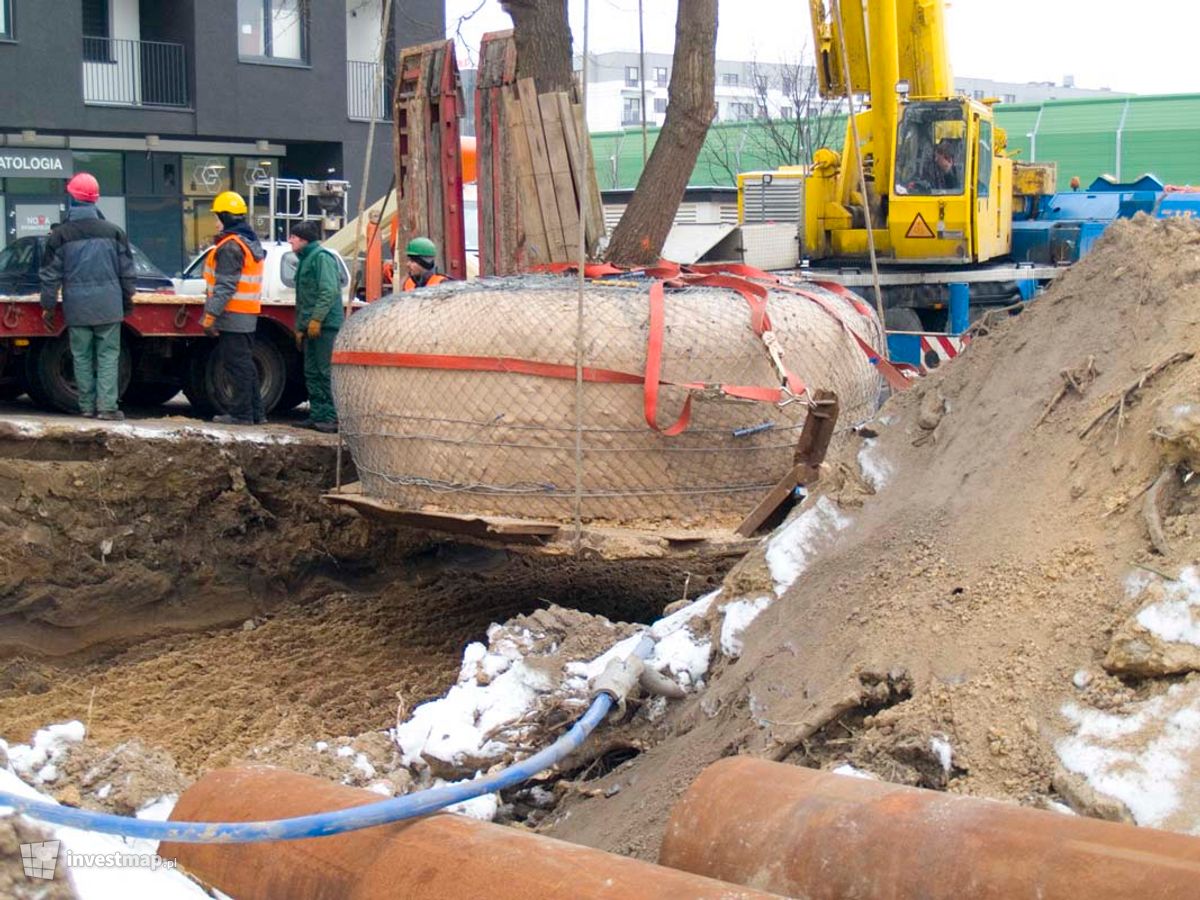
84	188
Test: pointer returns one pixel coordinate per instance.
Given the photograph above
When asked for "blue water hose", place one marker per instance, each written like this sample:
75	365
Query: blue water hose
323	824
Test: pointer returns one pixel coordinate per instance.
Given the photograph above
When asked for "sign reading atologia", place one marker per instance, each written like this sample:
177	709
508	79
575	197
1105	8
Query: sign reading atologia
35	163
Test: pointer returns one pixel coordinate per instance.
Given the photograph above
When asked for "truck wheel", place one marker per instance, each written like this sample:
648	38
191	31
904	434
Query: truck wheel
150	393
294	393
195	378
50	373
12	384
208	388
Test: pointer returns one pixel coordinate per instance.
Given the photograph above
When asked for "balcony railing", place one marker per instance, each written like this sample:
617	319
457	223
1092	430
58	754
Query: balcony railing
366	100
118	72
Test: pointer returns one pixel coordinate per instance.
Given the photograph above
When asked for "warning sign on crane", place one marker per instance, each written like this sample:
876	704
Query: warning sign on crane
919	228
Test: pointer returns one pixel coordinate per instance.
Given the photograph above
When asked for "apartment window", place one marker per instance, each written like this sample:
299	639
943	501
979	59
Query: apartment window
275	30
1010	98
6	28
785	112
978	95
761	113
729	79
760	82
632	112
660	76
660	105
742	112
631	76
96	31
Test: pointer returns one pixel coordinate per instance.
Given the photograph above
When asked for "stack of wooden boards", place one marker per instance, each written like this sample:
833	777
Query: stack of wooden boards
534	161
426	107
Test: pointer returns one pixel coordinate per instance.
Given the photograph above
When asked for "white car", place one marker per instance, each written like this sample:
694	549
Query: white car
279	274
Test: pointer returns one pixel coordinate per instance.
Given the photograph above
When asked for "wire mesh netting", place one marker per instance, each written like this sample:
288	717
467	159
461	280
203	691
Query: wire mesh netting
504	443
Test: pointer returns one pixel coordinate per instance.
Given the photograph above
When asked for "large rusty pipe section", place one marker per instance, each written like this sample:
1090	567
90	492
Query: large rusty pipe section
816	835
443	856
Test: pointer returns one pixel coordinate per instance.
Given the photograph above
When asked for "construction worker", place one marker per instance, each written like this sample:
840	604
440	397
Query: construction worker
91	261
318	317
422	260
233	272
945	175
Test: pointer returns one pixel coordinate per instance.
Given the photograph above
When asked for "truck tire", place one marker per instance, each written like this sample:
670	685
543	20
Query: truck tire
12	381
50	373
208	389
150	393
294	393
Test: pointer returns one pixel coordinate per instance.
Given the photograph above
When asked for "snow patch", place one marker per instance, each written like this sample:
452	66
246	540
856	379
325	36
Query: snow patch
1176	618
682	655
1140	759
161	432
874	467
738	616
943	751
37	760
791	550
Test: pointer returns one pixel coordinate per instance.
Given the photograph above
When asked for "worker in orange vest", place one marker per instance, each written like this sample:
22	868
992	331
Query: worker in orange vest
422	262
233	271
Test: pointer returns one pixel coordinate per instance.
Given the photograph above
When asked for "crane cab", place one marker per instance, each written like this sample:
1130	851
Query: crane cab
945	196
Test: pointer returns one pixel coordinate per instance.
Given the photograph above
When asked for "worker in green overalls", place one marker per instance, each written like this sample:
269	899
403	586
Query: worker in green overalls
318	318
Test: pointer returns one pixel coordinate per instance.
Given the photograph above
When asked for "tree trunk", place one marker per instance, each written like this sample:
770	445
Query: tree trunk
543	39
639	237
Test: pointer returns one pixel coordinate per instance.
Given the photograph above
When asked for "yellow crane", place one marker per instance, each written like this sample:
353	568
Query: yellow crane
938	184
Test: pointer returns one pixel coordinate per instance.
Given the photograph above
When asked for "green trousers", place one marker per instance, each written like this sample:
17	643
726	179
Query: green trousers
317	355
96	352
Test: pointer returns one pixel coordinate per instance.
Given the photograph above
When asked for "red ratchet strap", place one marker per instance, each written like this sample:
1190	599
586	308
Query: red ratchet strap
893	376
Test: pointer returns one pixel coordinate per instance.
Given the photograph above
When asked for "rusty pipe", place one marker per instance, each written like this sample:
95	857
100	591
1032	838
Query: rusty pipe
812	834
442	856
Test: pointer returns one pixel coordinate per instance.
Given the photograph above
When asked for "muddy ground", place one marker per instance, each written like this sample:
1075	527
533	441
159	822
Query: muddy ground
191	589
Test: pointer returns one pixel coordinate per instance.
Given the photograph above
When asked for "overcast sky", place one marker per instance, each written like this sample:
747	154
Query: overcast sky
1143	48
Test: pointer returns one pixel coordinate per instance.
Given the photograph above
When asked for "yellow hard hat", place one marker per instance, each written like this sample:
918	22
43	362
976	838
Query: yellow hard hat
229	202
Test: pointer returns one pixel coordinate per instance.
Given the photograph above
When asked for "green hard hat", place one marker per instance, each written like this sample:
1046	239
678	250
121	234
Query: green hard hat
421	246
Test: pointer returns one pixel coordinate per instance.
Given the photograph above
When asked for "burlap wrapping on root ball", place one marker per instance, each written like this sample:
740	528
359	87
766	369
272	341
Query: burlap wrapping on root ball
504	443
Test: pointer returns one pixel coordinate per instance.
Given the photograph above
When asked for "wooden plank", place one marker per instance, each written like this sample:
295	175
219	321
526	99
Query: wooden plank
810	453
560	170
532	118
435	224
534	247
595	218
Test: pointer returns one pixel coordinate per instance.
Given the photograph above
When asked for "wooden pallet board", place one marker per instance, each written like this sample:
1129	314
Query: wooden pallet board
582	172
536	244
549	538
543	180
560	170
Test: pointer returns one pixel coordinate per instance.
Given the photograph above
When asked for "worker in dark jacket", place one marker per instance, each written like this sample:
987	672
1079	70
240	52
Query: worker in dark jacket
318	317
90	260
422	264
233	273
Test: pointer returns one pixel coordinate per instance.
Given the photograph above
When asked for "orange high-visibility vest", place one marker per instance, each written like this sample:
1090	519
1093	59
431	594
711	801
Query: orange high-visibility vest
410	285
248	296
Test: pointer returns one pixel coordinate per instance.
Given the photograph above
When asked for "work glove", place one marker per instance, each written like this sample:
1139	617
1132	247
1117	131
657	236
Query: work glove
299	335
209	324
314	329
48	318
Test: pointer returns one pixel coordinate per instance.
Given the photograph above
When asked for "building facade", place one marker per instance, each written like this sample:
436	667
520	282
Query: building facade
748	91
170	102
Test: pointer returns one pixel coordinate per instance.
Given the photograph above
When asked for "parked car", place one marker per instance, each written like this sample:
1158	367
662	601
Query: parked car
20	261
279	274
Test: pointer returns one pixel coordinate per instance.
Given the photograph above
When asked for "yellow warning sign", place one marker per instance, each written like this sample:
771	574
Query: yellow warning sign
919	228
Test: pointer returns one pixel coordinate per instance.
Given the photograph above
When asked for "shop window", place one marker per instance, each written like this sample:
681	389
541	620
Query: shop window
6	21
107	167
206	175
29	187
248	169
273	30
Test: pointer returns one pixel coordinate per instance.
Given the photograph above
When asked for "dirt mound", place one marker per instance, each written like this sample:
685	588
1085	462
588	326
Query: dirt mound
979	562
